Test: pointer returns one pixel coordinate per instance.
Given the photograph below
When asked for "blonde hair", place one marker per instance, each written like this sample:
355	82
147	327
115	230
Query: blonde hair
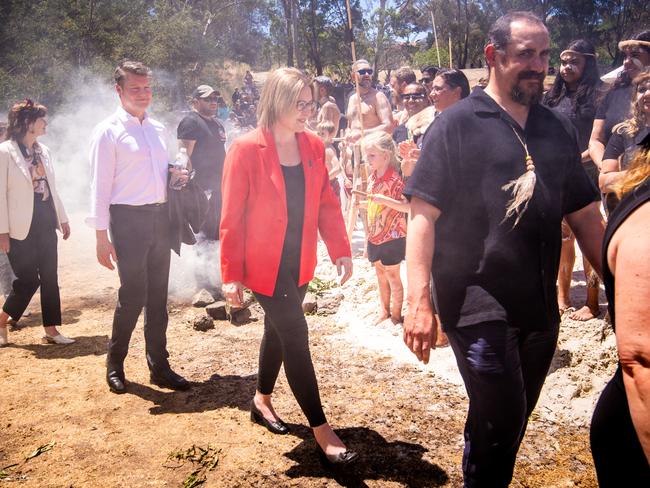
279	95
637	173
631	126
326	126
384	142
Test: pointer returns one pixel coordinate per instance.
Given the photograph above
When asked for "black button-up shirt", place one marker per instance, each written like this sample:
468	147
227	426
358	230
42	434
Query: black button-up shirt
483	268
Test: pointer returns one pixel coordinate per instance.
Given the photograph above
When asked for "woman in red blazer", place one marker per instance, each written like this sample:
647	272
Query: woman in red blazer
276	199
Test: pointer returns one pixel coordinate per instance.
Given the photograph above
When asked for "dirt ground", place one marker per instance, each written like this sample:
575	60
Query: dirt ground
406	423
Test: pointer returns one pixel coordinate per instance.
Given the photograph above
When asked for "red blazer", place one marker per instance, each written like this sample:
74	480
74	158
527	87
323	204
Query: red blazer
254	211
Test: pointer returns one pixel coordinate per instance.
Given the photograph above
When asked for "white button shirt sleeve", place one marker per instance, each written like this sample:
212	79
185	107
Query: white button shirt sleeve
102	174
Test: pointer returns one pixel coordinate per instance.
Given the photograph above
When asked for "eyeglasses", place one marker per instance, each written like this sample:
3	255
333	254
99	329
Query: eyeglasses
413	97
211	98
426	80
303	106
365	71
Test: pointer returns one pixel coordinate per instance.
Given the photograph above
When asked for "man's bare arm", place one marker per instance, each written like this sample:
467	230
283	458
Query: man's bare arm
384	113
589	228
419	325
189	146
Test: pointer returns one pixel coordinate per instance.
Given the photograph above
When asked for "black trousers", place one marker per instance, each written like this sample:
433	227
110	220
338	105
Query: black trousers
503	369
34	261
286	340
615	447
141	238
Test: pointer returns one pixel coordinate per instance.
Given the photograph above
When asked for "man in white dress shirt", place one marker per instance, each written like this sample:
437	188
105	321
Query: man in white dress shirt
129	168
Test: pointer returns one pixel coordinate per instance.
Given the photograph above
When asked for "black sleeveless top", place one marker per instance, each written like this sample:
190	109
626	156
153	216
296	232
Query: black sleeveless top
294	183
631	201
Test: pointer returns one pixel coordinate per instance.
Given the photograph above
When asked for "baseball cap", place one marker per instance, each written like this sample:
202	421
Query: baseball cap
203	91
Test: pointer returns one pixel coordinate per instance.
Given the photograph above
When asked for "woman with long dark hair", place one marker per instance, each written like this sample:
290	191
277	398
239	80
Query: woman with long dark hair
30	214
575	93
276	200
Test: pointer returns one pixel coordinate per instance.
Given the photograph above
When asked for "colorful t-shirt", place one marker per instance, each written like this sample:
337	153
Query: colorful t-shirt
34	158
385	223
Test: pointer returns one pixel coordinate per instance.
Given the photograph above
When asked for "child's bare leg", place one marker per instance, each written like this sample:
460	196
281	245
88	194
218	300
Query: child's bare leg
396	292
384	292
567	259
591	309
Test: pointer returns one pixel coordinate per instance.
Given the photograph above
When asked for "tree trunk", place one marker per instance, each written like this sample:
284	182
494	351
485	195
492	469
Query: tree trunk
287	7
379	42
295	8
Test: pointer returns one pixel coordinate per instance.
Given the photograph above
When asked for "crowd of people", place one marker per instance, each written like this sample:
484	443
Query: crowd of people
483	193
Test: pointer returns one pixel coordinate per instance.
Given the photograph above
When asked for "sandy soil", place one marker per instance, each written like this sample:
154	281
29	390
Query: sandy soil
404	418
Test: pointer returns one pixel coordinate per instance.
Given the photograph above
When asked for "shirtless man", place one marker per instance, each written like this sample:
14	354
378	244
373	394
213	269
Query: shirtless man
328	110
376	113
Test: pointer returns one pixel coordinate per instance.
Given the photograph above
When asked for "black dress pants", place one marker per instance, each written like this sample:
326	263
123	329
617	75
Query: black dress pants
141	236
503	369
34	261
286	340
615	447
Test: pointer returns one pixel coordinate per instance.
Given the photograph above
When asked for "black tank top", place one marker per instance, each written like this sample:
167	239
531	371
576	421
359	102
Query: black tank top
294	183
627	206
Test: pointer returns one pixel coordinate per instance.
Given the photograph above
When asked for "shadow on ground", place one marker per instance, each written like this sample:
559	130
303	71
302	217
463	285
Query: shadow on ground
400	462
84	346
215	393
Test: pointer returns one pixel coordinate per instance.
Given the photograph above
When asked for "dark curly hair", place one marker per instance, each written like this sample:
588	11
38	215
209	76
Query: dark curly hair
21	115
584	103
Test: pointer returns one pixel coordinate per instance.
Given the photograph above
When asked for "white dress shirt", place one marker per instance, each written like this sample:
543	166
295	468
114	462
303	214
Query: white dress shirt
128	165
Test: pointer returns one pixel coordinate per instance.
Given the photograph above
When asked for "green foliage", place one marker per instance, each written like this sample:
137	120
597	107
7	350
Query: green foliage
203	459
318	286
430	57
50	46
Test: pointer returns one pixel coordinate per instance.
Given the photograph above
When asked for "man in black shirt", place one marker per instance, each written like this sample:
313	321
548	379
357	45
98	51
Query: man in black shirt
494	273
204	138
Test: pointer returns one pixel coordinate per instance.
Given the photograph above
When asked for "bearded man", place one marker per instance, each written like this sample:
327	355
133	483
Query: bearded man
497	173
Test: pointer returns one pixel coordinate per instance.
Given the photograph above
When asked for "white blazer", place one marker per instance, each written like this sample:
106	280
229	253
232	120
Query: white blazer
17	191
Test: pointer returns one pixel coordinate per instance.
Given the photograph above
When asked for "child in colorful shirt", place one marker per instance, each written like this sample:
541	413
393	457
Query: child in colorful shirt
386	214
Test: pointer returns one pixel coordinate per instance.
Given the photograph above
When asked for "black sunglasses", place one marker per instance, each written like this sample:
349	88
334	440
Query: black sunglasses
365	71
413	96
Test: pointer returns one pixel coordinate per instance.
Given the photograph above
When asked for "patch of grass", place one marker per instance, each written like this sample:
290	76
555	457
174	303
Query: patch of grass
318	286
40	450
203	458
3	471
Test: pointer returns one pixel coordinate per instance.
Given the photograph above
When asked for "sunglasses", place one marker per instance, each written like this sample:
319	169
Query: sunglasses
305	106
426	80
413	97
211	98
366	71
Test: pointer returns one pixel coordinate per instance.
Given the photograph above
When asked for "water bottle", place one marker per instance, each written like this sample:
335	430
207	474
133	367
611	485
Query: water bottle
179	164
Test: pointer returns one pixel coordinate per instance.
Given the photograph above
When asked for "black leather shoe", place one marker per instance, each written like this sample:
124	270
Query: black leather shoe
341	459
275	426
115	380
168	379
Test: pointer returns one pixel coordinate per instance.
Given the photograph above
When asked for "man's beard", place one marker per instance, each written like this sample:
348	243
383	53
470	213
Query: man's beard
364	82
524	97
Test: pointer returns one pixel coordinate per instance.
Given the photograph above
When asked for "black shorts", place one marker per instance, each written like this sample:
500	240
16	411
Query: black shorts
389	253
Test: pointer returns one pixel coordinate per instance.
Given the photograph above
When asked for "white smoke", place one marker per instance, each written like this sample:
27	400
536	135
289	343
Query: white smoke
68	136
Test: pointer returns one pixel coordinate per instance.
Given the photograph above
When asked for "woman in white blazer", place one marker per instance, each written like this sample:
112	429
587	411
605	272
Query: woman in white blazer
30	213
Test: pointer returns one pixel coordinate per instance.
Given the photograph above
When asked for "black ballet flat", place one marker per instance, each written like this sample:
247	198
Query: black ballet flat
345	458
274	426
